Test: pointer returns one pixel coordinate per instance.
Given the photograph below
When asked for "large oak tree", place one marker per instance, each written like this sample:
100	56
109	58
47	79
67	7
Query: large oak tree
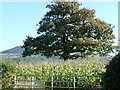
69	31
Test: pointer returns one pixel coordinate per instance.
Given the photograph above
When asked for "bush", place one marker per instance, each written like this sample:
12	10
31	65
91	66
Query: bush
111	80
8	72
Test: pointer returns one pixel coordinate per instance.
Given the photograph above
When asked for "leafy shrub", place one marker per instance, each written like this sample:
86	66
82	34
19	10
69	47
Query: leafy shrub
111	80
8	72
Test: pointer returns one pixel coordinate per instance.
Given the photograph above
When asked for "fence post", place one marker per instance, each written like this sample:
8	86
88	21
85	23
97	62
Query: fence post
52	80
33	79
74	81
15	82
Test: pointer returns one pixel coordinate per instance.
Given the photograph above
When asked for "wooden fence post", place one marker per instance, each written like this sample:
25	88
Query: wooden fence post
52	80
33	79
15	82
74	81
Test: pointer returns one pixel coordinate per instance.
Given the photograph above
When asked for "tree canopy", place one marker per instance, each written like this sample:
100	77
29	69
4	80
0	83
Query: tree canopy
69	31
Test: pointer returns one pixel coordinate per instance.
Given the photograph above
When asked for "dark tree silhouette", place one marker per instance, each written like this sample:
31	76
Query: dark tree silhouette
70	32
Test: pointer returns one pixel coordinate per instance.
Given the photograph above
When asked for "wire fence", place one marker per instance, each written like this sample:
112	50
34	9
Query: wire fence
30	81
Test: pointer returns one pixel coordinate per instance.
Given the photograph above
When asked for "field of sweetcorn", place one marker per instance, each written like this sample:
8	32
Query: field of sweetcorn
88	73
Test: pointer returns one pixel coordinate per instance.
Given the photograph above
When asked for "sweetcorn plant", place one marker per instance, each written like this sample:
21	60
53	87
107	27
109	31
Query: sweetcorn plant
88	73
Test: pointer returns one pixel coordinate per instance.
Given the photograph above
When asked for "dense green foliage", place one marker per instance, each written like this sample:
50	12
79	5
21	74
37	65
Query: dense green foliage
0	74
87	73
70	32
8	70
112	75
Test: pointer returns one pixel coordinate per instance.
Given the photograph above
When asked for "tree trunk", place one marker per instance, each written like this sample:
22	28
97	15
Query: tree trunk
66	58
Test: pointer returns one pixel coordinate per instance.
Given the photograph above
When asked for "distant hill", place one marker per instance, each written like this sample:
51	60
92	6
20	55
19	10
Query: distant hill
16	55
15	50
